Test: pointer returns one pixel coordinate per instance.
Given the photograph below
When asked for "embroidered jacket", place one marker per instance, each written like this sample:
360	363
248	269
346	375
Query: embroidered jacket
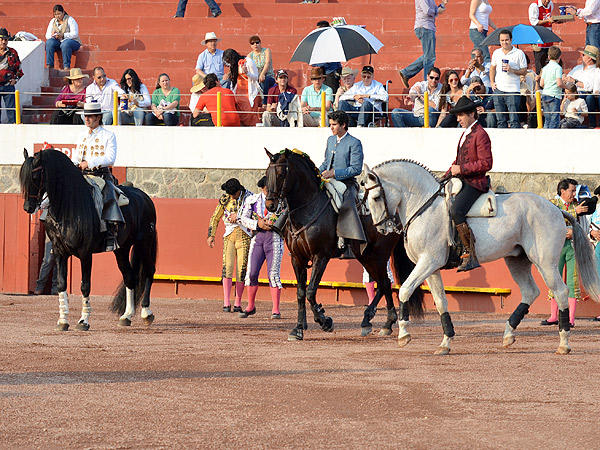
10	67
474	157
226	206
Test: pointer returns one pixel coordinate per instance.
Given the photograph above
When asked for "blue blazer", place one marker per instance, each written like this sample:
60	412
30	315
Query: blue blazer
347	157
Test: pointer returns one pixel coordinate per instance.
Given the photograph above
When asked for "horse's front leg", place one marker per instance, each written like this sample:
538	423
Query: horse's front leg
297	334
319	266
441	303
86	309
63	298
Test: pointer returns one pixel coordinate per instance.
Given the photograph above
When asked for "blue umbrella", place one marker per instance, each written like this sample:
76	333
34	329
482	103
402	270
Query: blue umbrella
524	34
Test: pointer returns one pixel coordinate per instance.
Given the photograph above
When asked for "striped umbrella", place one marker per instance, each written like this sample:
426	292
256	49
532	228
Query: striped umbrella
336	44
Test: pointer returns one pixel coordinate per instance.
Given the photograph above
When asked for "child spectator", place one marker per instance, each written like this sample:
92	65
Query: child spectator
551	82
573	108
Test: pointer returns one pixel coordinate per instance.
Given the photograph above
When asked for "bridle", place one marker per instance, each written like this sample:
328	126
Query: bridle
282	190
38	196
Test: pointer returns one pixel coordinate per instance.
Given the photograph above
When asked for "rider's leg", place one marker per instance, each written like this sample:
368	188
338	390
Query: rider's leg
460	207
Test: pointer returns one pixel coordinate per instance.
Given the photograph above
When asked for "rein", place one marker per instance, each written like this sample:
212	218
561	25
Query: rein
38	196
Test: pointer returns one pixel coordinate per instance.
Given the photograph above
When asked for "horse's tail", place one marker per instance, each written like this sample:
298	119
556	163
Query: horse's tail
403	266
584	256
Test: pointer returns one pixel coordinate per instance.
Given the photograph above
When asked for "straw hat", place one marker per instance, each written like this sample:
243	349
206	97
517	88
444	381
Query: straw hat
348	71
590	51
91	109
197	83
75	74
209	37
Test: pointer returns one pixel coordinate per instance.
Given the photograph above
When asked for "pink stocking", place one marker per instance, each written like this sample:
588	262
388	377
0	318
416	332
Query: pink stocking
572	306
370	287
275	296
239	291
553	311
252	290
226	291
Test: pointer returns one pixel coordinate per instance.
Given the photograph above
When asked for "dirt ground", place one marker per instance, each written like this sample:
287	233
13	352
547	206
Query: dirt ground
200	378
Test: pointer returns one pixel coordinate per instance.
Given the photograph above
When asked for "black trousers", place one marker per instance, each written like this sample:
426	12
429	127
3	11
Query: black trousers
463	202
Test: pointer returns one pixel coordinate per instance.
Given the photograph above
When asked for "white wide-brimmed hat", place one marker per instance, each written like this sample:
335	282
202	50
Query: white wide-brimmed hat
91	109
209	37
76	74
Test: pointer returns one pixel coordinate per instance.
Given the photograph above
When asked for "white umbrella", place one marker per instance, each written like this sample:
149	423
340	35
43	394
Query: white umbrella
336	44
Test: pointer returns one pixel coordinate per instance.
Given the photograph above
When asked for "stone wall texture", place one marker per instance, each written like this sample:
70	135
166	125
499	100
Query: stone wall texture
206	183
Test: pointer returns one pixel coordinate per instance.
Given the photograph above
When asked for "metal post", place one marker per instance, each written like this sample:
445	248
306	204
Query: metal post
115	108
426	112
538	109
219	109
18	107
323	108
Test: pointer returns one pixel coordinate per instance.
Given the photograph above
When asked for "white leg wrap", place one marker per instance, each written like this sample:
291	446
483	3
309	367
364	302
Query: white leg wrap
446	342
146	312
402	328
63	307
129	307
86	310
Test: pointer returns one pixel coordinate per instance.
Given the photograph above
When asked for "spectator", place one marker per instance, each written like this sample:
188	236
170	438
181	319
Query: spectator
480	94
135	98
101	91
332	70
10	72
552	84
70	100
595	234
208	102
452	91
211	59
584	76
590	13
565	200
48	266
182	5
62	34
278	94
477	68
348	78
363	101
479	13
199	118
508	64
165	103
425	13
403	118
527	100
311	98
540	13
243	79
573	108
264	64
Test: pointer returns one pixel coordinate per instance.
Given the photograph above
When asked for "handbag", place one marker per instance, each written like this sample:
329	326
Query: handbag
203	120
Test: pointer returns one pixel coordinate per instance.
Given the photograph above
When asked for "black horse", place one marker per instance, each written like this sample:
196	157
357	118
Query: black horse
311	237
73	226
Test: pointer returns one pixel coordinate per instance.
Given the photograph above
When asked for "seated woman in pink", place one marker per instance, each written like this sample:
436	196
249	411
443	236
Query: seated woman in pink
70	100
243	76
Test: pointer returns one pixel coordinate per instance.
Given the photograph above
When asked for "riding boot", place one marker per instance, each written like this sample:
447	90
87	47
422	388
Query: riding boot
469	260
110	240
344	250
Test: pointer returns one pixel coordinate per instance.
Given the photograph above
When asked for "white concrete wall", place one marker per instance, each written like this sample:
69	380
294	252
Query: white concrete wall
529	151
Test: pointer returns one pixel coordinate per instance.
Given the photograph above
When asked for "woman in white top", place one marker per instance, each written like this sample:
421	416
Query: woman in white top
62	35
135	100
479	13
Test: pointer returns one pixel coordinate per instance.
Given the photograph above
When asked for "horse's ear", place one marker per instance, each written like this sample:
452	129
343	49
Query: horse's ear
269	154
25	154
366	168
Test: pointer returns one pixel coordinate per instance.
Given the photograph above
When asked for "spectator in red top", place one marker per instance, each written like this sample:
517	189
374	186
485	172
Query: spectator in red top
10	72
208	102
269	117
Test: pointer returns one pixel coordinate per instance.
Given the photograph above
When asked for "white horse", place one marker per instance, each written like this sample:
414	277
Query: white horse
526	229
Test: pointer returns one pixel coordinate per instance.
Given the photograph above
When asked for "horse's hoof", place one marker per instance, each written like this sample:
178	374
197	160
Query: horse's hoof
328	325
62	327
404	340
82	326
563	350
442	351
365	331
147	320
296	335
124	322
386	332
508	341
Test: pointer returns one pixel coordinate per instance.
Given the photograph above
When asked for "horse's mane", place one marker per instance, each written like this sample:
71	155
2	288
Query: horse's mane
301	157
411	161
71	203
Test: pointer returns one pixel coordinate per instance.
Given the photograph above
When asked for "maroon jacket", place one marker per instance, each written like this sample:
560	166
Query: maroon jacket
475	158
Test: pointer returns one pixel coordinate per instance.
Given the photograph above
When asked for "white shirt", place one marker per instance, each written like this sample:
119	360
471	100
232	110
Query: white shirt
589	75
98	147
534	12
573	109
590	12
73	29
483	74
505	81
482	14
375	90
104	96
434	98
466	133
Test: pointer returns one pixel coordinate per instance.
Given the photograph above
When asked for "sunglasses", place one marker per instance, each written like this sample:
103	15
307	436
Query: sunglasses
453	80
434	78
128	78
254	42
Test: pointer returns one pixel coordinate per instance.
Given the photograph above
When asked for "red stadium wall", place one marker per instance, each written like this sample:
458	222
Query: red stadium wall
183	252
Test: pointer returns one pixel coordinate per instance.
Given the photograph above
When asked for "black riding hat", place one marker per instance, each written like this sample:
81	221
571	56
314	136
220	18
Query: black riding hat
463	105
231	186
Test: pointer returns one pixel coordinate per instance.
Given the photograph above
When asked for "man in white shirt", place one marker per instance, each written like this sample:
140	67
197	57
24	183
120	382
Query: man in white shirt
403	118
477	68
591	14
363	100
586	77
211	59
540	13
508	64
101	91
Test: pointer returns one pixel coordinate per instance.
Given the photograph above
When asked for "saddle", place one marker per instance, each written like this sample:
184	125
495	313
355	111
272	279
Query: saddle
335	191
484	206
98	184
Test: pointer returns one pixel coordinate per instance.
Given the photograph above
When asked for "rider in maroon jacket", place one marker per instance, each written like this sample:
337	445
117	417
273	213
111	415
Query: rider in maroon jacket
473	160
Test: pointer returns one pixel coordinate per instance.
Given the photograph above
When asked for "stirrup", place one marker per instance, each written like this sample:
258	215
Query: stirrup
469	263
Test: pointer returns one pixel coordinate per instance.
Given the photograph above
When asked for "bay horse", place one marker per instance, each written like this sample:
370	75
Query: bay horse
404	196
310	235
73	226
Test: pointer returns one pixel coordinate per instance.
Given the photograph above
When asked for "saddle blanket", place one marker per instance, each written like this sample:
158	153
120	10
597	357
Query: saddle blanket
335	190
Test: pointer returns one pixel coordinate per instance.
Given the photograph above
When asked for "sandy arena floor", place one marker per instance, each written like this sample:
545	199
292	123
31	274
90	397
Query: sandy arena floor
200	378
